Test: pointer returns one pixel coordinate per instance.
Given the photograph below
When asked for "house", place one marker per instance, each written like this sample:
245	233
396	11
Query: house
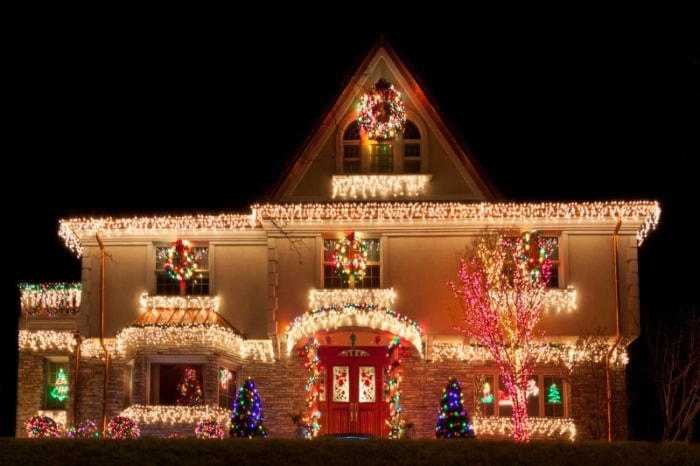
333	296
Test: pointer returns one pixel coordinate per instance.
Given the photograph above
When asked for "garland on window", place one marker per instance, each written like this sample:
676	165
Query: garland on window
181	262
381	111
350	256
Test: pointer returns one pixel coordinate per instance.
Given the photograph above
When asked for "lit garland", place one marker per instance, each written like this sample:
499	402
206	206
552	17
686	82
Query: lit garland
176	415
392	390
381	111
310	421
350	256
324	297
350	315
51	299
45	340
570	356
173	303
372	186
645	213
208	429
548	428
122	427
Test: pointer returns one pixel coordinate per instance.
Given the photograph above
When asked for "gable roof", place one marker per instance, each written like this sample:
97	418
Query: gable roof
382	61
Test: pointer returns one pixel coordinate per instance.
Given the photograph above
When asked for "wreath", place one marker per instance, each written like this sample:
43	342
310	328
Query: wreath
181	261
350	256
381	111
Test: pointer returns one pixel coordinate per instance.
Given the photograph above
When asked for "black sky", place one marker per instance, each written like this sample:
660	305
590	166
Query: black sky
191	112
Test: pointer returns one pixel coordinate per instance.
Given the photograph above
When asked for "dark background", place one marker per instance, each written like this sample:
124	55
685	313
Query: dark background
117	113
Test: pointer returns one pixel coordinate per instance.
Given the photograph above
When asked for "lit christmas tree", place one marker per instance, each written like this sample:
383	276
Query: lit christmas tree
453	421
247	418
190	390
60	391
553	396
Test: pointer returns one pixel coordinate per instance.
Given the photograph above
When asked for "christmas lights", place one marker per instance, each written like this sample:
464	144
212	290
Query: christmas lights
501	427
646	213
373	186
381	111
51	299
177	415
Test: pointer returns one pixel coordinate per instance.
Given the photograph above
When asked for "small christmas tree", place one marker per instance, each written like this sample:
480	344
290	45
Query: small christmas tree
553	396
246	417
190	390
453	421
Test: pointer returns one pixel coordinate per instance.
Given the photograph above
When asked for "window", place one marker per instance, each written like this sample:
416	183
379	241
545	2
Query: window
381	157
333	279
55	384
537	241
545	396
351	149
176	384
228	387
383	153
197	285
412	152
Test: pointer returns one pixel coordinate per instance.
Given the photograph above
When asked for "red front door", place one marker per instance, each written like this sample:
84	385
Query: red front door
354	387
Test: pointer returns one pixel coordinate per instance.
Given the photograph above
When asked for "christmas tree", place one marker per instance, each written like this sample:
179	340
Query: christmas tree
453	421
190	390
553	396
246	417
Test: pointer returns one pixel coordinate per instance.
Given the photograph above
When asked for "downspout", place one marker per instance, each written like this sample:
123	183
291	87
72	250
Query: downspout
618	334
78	342
102	331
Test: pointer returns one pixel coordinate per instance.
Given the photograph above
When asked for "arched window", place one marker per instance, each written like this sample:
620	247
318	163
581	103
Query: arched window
351	148
412	152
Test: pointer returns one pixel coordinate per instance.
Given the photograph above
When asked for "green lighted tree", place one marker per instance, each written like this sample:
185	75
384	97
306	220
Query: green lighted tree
553	395
246	417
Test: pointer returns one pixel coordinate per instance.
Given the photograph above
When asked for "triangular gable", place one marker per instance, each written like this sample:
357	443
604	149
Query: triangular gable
449	172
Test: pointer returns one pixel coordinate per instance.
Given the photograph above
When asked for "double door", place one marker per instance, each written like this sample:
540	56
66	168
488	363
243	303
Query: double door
354	391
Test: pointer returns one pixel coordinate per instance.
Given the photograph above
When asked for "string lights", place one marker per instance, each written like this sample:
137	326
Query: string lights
646	213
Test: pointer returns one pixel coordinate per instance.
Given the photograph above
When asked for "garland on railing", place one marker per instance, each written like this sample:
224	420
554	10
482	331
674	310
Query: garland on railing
392	391
310	421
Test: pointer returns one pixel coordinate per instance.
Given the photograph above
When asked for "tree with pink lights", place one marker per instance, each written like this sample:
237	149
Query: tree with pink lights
503	288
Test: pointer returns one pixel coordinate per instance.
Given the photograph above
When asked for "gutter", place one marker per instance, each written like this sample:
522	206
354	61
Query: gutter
618	334
102	331
78	343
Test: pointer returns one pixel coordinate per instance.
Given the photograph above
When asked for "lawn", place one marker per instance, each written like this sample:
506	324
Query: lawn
340	452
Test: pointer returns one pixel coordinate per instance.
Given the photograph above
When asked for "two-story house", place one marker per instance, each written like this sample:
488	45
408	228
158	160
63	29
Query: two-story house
333	296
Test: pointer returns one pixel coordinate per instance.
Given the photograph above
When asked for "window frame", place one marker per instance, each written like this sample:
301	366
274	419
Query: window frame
199	285
498	407
50	369
556	279
153	362
372	278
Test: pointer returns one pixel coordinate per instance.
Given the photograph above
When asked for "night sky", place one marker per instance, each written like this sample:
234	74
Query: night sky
194	112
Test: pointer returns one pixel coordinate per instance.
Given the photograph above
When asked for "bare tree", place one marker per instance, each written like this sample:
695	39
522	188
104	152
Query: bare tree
503	290
674	369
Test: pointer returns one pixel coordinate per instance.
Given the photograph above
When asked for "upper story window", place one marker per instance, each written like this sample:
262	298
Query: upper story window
174	277
351	148
381	156
340	267
545	396
412	148
537	243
